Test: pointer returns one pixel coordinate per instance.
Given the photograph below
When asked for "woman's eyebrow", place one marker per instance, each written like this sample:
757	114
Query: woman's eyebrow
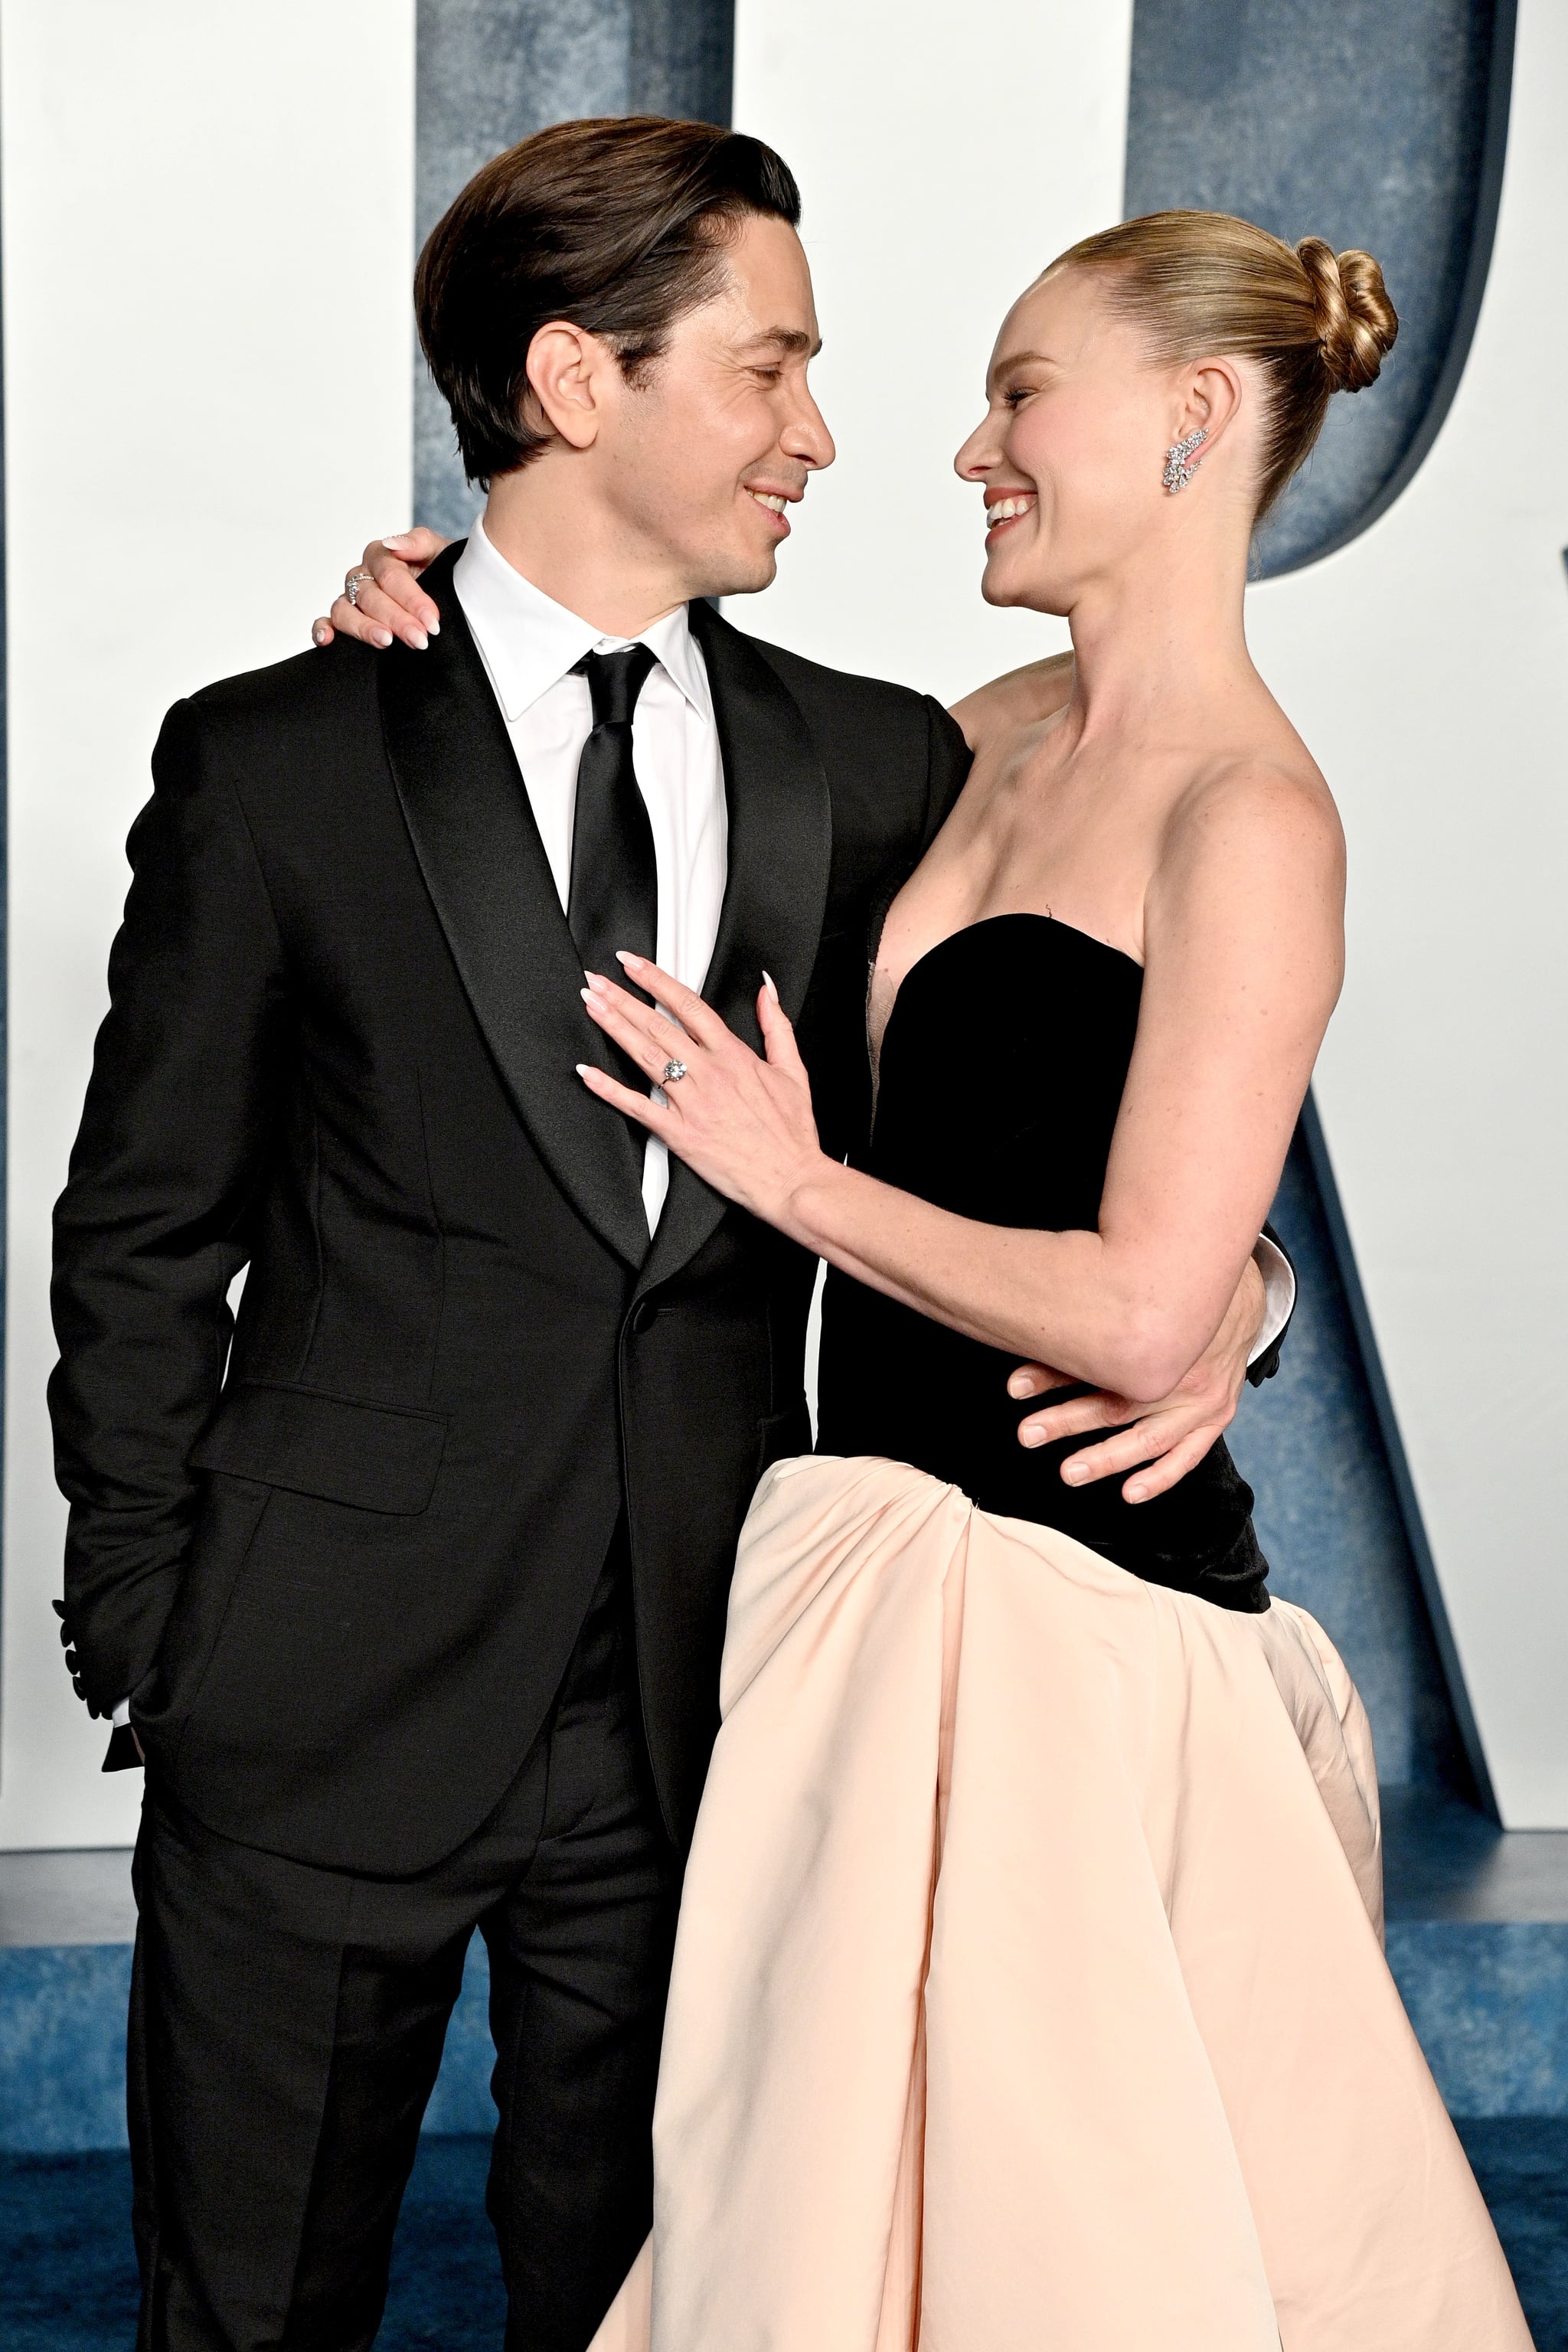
1017	360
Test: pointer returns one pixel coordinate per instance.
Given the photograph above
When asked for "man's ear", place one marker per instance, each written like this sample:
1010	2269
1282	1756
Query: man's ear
1211	396
566	375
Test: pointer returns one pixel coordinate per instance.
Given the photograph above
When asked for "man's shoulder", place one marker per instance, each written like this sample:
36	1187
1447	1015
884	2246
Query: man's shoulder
885	746
816	684
298	741
313	689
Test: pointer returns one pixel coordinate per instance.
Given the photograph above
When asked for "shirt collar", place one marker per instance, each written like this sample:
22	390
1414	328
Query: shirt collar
529	643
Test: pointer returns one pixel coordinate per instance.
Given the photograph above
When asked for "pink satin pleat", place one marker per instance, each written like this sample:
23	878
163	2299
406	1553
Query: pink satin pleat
1030	1989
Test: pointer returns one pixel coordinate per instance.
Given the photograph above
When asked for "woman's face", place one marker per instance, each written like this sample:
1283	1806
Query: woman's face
1070	453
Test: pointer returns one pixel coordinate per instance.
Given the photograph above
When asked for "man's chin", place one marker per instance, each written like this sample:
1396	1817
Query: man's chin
744	575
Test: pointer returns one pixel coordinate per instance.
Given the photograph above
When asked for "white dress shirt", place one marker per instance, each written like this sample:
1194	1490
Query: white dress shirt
529	646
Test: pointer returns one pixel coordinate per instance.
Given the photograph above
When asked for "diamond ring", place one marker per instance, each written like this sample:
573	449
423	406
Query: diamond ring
353	582
671	1073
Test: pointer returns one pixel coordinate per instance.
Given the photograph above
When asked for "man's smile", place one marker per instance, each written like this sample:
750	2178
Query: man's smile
774	502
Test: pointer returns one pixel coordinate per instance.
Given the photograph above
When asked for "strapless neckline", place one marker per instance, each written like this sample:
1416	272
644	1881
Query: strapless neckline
969	932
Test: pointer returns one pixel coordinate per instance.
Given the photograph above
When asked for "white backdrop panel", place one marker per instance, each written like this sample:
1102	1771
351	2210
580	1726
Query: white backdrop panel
1427	667
944	157
186	313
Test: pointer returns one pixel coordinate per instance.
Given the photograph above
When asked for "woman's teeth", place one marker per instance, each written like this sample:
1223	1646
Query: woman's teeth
1005	509
765	498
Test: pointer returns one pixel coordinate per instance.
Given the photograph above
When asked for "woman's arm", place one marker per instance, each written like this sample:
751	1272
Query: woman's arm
392	603
1243	945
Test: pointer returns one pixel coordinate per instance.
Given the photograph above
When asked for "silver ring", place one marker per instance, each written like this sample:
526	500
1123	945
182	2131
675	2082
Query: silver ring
355	581
672	1073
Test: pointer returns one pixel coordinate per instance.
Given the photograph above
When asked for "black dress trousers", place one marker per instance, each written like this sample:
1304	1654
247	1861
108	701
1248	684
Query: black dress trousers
287	2026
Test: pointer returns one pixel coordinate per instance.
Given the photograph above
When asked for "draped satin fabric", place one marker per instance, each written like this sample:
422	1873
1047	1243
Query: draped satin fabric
1030	1989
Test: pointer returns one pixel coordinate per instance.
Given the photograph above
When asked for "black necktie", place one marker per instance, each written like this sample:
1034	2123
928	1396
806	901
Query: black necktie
613	898
613	901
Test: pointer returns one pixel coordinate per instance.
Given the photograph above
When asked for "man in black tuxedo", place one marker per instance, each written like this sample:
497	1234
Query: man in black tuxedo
413	1574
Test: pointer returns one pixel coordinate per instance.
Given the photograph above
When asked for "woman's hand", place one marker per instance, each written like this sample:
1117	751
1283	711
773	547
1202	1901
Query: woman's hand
743	1124
391	603
1164	1440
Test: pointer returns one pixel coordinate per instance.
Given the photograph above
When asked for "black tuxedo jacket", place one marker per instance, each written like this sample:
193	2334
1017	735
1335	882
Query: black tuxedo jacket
340	1562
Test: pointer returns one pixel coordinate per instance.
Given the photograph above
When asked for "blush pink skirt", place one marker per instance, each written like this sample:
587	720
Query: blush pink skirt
1030	1989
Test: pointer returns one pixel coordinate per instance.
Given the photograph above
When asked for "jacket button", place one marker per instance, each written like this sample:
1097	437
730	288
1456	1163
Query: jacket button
645	1314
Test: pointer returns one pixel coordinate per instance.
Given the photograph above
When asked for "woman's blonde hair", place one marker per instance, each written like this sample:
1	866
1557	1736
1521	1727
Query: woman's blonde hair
1205	285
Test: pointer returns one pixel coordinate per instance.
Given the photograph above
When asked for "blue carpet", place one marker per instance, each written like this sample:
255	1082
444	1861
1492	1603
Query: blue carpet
1521	2163
67	2273
68	2281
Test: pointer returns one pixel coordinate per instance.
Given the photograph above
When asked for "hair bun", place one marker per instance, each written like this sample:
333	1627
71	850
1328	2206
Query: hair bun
1356	321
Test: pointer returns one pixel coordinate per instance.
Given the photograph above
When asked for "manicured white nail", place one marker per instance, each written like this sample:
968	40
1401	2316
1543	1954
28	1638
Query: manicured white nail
768	983
434	628
419	640
381	637
319	633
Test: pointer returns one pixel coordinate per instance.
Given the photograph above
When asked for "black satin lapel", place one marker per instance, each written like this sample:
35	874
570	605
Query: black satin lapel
484	865
780	846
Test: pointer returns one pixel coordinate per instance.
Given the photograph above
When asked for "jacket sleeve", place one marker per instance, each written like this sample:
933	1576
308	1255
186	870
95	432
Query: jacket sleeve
152	1226
949	761
1264	1366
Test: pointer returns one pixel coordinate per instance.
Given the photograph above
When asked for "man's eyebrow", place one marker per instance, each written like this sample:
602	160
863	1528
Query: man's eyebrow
794	341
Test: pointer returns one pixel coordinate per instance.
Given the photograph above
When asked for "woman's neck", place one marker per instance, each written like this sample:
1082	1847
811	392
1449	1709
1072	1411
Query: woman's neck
1155	648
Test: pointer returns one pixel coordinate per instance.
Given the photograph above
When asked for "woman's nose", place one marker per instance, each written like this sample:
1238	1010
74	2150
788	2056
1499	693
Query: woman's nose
978	455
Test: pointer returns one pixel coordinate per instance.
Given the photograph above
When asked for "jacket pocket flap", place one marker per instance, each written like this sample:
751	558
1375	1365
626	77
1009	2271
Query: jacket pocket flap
376	1457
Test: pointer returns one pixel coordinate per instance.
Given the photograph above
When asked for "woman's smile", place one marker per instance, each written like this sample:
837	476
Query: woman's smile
1001	511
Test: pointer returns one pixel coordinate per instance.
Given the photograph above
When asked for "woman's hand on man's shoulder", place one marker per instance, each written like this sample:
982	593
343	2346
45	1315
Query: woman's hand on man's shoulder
1020	697
391	603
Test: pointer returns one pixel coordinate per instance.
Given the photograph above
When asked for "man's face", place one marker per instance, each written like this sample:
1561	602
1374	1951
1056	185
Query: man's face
697	461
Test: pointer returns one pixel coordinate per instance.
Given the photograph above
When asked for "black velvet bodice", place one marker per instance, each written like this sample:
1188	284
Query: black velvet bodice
1002	1065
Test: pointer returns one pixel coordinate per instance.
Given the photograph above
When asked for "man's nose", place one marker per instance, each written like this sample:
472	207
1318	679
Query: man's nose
807	438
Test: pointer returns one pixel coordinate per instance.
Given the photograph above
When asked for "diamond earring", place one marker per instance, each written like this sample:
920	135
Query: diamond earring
1178	473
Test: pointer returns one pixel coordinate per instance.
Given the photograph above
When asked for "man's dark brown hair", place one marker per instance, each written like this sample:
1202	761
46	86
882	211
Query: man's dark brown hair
616	225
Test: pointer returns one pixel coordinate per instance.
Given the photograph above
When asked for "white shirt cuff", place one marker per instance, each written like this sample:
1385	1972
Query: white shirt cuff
121	1715
1278	1294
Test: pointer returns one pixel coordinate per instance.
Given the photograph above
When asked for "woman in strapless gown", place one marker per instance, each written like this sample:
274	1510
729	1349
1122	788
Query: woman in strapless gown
1030	1989
894	1382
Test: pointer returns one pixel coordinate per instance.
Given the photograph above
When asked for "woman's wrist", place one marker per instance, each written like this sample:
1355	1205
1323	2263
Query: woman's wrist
806	1212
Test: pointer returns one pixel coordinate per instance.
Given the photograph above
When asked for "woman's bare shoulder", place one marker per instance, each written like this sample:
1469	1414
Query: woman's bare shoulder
1252	862
1269	798
1020	697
